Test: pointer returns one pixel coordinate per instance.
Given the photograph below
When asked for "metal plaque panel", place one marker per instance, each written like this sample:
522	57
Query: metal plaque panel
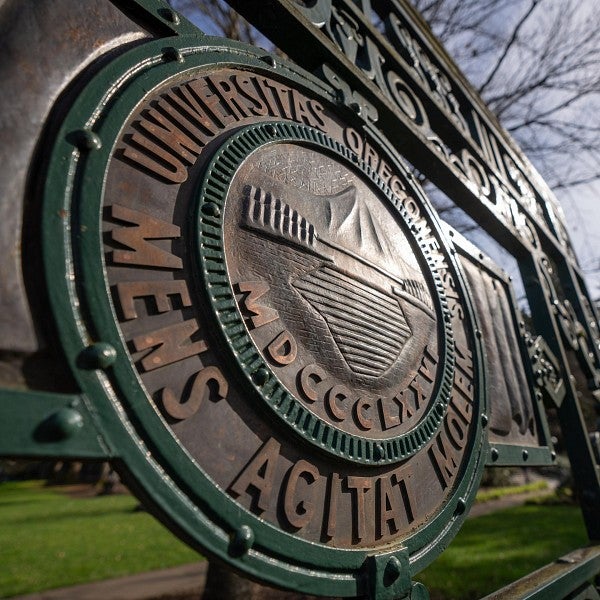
292	349
521	372
287	355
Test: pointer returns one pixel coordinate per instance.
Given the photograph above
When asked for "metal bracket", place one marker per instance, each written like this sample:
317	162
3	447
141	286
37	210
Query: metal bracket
42	424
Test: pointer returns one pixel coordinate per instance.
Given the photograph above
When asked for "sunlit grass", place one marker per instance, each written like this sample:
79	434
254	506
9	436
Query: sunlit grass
493	550
50	540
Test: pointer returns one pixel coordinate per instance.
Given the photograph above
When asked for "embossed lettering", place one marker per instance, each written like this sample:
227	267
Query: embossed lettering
358	486
306	376
445	450
333	494
254	290
333	400
393	419
360	411
299	513
283	349
174	344
444	458
199	392
162	292
258	475
145	227
394	502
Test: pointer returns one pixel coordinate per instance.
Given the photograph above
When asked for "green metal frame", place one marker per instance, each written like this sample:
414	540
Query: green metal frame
460	161
111	417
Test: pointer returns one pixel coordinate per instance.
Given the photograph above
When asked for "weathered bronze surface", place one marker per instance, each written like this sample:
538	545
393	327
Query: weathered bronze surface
512	414
345	314
43	51
343	298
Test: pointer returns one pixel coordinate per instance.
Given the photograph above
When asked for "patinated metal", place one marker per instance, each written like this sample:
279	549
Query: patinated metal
271	351
289	358
520	372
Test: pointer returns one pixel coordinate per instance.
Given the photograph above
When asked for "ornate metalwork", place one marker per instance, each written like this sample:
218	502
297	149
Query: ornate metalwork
266	325
285	372
404	83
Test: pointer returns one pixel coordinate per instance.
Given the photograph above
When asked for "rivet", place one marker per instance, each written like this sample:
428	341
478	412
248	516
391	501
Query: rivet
98	356
478	333
355	106
172	16
525	455
173	54
88	140
451	233
271	129
461	505
484	420
393	569
210	209
419	592
481	256
494	454
261	376
553	455
242	540
269	60
378	452
65	423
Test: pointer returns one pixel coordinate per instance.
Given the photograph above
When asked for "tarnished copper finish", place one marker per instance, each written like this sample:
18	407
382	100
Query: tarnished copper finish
345	315
347	296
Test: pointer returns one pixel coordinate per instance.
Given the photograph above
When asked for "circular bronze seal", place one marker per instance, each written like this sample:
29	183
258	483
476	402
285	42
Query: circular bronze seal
297	383
340	300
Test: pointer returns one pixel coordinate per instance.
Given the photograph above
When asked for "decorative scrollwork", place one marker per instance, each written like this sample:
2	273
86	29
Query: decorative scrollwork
546	370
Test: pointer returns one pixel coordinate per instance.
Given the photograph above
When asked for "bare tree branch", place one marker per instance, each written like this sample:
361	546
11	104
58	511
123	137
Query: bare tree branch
507	47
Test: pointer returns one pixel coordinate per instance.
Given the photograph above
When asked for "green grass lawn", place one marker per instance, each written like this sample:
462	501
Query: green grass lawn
493	550
50	540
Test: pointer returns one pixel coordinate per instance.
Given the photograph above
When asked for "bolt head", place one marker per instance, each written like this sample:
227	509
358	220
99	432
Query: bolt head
98	356
261	376
87	140
65	423
210	209
378	452
242	540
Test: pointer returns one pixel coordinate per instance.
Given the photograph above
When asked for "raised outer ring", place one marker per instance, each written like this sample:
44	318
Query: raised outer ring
175	489
219	173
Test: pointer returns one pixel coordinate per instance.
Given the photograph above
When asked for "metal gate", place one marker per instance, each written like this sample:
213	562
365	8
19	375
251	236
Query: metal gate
221	273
